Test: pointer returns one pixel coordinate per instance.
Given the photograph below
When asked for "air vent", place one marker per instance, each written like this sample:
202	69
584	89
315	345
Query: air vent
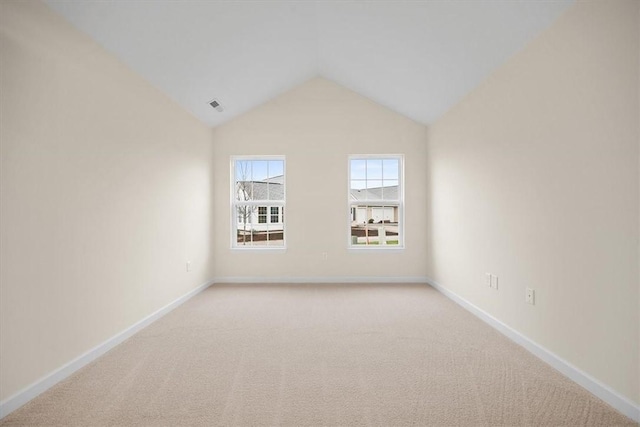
216	105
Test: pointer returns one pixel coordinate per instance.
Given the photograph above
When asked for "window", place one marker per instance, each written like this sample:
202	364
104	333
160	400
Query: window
376	201
275	214
258	198
262	215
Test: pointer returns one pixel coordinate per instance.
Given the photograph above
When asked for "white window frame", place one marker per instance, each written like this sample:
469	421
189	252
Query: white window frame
382	203
257	203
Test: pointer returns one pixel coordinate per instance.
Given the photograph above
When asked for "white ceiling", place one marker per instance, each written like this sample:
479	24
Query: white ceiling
418	58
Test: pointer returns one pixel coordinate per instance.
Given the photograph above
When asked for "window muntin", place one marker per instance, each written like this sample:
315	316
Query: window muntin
258	198
376	201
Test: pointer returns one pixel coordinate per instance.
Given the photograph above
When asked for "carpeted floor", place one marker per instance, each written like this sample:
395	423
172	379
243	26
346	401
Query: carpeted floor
312	355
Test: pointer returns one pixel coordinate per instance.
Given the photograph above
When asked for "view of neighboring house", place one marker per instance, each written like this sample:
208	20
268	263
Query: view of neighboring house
372	224
261	218
362	214
261	223
257	223
257	217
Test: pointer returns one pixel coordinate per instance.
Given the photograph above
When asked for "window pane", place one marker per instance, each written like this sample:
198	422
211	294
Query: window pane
359	215
362	229
275	180
374	225
374	169
390	169
358	184
274	235
246	214
358	168
259	170
374	190
390	190
258	180
243	190
387	228
276	191
245	228
276	171
243	170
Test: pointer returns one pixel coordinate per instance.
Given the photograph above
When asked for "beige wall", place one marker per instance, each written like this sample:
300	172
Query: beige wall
316	126
534	177
105	188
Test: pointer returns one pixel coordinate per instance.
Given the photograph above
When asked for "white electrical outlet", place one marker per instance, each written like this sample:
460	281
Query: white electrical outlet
188	266
491	281
325	256
530	296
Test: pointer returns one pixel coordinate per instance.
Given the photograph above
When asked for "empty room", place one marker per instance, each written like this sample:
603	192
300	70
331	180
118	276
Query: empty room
319	213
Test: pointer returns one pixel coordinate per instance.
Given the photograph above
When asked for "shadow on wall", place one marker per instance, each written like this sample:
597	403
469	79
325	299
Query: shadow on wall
428	223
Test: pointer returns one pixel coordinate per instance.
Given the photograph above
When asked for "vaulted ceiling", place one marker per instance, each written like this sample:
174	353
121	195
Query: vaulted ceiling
418	58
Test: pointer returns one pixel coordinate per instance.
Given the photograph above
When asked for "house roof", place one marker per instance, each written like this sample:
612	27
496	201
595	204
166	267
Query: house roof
273	191
417	58
262	190
389	193
278	179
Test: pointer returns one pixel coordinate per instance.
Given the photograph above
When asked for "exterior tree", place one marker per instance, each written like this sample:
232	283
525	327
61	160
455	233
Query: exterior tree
244	192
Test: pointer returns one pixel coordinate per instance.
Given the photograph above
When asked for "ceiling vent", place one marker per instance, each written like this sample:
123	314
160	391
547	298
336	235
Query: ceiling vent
216	105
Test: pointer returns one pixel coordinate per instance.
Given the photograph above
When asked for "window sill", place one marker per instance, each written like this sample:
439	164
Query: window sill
374	248
258	249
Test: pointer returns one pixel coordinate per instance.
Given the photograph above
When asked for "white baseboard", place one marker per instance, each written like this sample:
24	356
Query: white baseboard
619	402
321	279
25	395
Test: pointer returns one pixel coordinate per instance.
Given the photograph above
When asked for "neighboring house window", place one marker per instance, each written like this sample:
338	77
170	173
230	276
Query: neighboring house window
258	198
262	215
275	216
376	201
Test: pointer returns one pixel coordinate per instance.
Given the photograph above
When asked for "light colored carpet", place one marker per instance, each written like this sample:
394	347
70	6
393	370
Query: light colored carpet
300	355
